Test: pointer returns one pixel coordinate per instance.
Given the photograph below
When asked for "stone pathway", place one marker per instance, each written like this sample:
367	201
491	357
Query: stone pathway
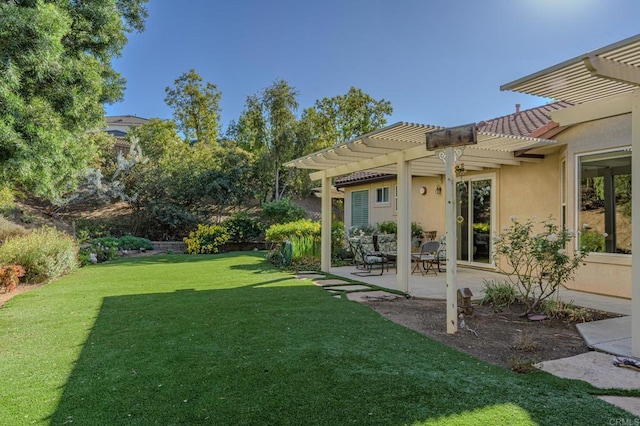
358	292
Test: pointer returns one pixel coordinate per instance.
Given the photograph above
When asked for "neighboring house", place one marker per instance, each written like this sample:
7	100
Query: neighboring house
568	160
119	126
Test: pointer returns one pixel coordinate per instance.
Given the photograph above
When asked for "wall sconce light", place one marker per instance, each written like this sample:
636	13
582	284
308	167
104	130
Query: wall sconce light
438	189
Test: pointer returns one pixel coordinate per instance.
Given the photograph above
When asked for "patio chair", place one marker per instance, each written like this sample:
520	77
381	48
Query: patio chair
425	259
372	258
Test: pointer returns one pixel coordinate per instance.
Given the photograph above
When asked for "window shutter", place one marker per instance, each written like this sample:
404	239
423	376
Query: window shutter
360	208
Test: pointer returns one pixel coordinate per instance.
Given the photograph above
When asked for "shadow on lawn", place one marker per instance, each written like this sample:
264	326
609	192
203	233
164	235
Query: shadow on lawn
265	354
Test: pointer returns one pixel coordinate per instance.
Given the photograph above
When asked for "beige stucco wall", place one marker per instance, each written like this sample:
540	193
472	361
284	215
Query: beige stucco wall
427	210
531	190
602	273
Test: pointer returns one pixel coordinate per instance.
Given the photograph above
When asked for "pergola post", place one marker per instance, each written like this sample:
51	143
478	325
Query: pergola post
451	239
403	260
325	243
635	224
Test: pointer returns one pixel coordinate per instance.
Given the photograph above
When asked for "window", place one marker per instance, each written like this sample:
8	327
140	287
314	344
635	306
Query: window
360	208
382	195
604	215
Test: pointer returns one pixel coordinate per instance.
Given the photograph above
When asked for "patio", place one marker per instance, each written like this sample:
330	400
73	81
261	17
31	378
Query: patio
433	286
610	336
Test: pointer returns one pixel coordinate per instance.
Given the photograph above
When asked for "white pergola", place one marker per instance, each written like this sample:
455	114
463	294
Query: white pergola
602	83
400	149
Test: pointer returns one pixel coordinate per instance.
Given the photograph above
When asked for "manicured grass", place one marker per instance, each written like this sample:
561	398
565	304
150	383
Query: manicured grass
227	340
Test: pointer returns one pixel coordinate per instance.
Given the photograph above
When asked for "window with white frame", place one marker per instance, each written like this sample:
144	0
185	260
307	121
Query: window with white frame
604	213
360	208
382	195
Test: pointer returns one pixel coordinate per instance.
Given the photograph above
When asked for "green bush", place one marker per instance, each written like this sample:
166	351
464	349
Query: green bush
388	227
44	253
282	211
285	231
9	229
592	241
206	239
538	262
499	293
417	231
129	242
304	235
7	199
242	227
104	249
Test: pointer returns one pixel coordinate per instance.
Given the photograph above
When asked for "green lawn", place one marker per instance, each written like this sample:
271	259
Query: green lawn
228	340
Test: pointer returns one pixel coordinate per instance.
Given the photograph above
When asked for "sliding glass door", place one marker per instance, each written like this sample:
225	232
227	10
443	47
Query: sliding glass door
475	219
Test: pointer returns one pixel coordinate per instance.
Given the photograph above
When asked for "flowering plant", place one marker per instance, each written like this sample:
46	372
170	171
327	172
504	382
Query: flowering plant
538	263
10	277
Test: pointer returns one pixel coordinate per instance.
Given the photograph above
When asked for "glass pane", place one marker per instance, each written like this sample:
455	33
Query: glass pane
462	212
481	190
605	202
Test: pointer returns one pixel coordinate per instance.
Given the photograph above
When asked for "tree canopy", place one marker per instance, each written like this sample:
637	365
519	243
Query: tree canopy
344	117
55	59
196	107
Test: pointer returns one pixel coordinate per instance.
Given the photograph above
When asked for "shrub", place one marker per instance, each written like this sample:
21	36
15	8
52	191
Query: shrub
282	211
416	230
7	199
388	227
44	253
499	293
592	241
301	228
104	249
242	227
9	229
10	277
538	261
206	239
129	242
566	311
337	239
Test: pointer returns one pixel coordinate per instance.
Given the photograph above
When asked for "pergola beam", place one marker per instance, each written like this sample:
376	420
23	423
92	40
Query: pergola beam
612	70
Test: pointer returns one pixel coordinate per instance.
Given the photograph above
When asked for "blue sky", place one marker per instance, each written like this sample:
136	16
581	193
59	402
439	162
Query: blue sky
437	62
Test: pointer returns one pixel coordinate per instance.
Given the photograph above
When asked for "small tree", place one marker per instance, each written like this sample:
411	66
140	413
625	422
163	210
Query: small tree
538	262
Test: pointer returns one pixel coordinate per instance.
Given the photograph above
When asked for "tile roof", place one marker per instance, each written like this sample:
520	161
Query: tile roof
126	120
530	122
522	123
357	177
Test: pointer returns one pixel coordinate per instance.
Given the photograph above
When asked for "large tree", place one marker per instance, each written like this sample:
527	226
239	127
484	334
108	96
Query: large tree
344	117
55	63
196	107
267	127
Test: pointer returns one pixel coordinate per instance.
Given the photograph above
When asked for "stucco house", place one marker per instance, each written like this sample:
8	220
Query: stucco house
119	126
557	180
569	159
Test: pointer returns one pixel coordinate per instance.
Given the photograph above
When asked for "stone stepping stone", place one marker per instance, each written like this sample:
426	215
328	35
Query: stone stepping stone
325	283
353	287
365	296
